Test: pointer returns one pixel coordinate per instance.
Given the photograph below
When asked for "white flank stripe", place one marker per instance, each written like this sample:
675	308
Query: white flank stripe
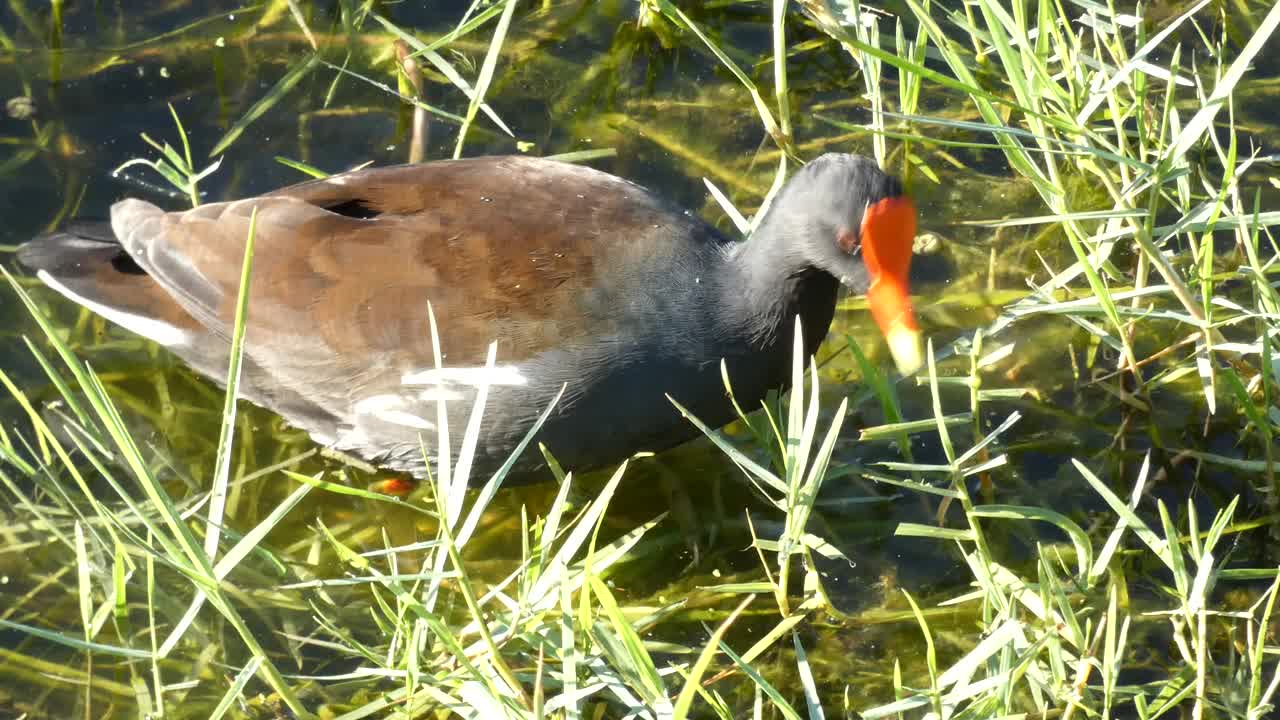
436	394
474	376
150	328
351	439
386	409
323	438
400	417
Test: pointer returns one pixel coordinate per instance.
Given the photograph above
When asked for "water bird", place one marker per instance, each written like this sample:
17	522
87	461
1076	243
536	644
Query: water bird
586	281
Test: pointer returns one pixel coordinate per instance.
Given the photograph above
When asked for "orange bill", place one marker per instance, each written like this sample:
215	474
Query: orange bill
888	232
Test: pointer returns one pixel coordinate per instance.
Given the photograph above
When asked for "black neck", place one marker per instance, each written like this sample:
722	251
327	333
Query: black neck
771	283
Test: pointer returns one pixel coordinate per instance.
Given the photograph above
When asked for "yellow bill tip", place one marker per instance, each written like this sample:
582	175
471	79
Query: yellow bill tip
906	347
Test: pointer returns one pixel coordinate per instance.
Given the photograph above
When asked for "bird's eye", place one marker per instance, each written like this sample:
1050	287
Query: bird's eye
848	241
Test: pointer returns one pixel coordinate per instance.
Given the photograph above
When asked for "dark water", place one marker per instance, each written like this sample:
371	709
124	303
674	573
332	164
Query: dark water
578	76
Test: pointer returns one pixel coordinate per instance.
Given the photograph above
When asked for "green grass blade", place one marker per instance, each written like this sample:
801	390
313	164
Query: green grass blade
277	93
486	74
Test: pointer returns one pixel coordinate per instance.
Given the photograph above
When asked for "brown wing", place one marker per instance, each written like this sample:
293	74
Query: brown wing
524	251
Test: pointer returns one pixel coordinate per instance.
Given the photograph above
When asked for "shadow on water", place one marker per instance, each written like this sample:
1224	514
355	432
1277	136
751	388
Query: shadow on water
581	76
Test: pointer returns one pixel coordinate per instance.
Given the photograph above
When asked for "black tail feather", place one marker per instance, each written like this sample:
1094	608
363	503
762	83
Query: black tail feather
76	250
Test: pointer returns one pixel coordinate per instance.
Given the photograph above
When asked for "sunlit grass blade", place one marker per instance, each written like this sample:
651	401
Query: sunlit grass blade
486	74
266	102
1194	130
237	686
445	67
